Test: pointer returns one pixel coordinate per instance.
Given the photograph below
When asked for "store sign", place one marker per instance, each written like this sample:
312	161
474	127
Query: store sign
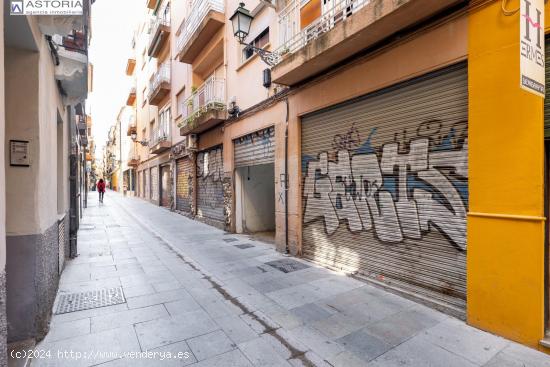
532	57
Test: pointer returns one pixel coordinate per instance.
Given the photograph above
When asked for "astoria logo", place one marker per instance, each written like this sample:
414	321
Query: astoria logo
47	7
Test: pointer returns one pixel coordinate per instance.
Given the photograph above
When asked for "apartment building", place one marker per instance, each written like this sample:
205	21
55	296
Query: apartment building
44	84
365	136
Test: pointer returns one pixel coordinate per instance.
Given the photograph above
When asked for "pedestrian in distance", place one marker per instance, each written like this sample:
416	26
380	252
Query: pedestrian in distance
101	189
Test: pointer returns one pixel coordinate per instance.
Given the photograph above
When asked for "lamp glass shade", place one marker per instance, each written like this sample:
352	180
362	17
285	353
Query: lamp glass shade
133	136
241	21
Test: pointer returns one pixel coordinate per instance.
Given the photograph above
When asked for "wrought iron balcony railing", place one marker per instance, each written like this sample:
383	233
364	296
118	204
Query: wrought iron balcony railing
199	10
209	96
162	75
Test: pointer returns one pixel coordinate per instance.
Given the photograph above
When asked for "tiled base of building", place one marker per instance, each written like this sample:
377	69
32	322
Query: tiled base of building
32	282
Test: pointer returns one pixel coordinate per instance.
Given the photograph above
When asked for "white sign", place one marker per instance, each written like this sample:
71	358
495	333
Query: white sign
46	7
19	153
531	33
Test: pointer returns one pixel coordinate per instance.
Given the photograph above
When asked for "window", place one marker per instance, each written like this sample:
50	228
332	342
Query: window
180	100
164	123
260	41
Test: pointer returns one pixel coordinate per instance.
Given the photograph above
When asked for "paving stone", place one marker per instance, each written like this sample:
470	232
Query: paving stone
129	317
261	353
234	358
103	347
186	304
156	298
139	290
236	328
364	345
316	341
71	316
68	329
211	344
173	355
310	312
168	286
475	345
418	351
156	333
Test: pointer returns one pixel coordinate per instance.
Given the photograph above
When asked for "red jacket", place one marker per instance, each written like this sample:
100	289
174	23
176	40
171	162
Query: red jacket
101	186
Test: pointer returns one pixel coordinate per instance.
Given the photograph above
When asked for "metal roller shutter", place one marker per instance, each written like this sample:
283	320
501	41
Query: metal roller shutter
385	186
184	184
256	148
155	183
166	186
147	192
209	185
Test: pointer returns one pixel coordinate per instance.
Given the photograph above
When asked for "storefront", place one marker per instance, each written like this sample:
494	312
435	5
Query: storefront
385	186
184	184
210	202
254	161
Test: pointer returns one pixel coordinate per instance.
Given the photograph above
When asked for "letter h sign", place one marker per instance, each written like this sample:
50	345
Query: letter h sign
531	48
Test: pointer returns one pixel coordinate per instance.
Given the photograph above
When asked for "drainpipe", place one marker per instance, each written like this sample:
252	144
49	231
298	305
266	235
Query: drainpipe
286	177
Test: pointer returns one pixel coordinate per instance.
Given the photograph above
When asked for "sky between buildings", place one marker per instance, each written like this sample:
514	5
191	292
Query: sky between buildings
113	24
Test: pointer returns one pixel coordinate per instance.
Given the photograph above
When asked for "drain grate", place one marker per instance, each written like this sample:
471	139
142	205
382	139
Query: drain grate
92	299
287	265
244	246
230	239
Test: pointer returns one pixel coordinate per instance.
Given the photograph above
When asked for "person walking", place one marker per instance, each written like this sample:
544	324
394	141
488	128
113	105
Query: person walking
101	189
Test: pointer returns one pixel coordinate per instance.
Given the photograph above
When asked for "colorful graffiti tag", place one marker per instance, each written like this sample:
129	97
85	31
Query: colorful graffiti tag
403	189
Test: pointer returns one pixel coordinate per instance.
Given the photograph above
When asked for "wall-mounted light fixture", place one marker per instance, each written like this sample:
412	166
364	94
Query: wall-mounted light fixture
134	139
241	20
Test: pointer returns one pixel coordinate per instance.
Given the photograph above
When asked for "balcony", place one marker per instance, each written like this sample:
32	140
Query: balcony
130	66
160	34
313	38
205	108
81	124
133	157
159	140
159	85
206	18
131	97
72	67
132	126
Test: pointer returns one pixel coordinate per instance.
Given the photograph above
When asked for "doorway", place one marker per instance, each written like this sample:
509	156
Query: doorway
255	200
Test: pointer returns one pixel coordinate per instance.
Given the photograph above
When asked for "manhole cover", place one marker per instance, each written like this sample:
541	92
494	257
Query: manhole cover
92	299
287	265
244	246
230	239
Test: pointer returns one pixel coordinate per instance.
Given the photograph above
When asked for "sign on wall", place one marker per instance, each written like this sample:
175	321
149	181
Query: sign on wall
19	153
531	30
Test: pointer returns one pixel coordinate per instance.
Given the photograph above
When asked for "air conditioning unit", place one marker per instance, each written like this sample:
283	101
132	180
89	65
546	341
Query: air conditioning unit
192	142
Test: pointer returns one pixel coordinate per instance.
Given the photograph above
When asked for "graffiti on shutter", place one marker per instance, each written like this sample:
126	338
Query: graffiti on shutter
209	184
184	185
256	148
385	186
154	183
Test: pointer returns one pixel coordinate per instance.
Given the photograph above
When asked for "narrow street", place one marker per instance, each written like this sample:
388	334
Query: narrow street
195	295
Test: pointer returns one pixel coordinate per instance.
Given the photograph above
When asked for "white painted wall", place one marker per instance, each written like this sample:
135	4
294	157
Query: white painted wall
255	198
32	109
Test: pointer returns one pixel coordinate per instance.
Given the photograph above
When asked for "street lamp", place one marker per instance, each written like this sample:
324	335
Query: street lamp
133	135
241	20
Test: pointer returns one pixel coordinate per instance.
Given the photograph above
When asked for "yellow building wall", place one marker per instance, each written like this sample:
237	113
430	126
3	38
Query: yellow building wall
114	181
505	260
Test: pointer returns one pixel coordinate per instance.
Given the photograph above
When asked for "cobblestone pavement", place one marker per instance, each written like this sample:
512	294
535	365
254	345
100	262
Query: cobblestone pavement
195	296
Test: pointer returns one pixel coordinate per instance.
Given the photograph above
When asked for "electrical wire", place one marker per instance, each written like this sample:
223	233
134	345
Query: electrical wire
505	11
